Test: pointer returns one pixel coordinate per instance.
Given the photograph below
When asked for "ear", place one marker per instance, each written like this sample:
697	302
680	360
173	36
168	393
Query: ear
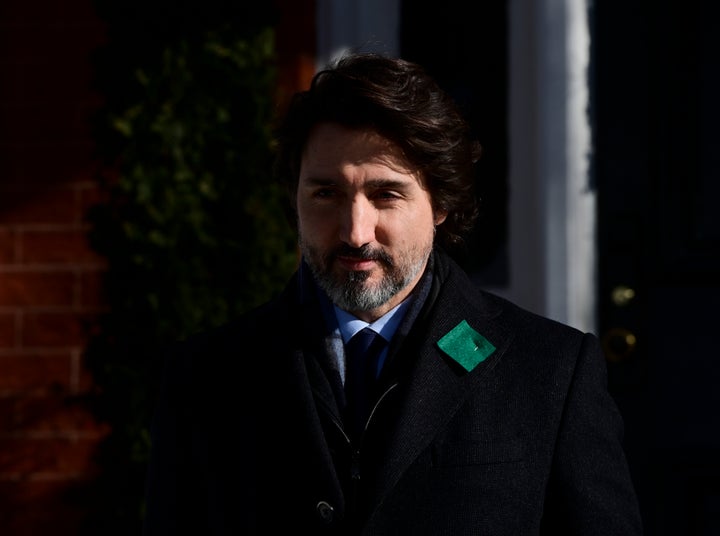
440	216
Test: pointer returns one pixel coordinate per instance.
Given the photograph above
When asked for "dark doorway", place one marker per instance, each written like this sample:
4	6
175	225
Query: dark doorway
464	46
657	167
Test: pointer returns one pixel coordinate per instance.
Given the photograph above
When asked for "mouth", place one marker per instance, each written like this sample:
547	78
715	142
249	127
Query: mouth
355	264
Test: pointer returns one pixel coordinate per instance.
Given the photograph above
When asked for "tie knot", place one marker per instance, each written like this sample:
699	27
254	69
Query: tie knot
364	342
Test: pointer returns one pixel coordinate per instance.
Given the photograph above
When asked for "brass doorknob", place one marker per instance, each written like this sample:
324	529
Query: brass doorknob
619	344
622	295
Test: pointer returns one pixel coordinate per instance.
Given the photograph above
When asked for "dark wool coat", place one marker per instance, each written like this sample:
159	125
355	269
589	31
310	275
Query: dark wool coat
248	436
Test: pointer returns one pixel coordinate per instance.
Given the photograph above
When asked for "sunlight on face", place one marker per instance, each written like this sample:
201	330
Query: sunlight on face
366	223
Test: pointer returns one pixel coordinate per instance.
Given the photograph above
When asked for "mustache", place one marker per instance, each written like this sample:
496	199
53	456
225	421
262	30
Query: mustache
365	252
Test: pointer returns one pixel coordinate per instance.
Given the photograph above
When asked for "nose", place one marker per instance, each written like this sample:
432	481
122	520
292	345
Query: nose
359	223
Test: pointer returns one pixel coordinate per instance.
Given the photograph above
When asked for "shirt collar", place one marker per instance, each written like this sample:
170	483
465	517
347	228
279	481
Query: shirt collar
385	326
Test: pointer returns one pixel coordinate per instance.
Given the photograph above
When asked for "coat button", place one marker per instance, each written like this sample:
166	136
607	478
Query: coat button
325	511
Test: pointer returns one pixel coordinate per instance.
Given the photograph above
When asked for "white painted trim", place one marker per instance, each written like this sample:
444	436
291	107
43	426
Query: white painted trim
581	195
552	207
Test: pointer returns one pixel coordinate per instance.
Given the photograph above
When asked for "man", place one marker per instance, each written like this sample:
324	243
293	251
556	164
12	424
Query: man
477	417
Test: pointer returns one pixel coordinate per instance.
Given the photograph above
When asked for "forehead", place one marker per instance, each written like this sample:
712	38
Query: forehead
331	145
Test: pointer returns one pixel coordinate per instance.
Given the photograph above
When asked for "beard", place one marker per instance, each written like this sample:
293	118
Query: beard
351	290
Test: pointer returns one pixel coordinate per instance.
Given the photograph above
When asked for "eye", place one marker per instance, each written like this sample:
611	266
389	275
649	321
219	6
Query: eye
324	193
386	195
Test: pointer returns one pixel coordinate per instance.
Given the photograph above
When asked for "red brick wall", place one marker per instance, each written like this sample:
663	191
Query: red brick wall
49	277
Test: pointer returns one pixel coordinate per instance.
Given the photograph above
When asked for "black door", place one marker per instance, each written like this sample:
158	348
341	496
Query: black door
656	96
463	45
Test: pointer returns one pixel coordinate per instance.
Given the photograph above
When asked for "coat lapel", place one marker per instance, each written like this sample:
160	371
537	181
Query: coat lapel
441	380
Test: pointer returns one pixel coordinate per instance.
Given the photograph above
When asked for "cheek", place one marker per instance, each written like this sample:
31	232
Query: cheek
420	222
313	224
405	230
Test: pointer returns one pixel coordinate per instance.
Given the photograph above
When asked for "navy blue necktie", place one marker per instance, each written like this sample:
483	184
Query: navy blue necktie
362	352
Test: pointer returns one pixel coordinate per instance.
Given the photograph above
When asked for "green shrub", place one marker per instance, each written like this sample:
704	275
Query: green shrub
193	228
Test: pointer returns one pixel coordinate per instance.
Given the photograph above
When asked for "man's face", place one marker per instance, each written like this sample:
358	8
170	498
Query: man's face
366	223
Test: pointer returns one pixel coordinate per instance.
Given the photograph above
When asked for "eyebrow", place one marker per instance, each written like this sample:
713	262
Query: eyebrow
372	183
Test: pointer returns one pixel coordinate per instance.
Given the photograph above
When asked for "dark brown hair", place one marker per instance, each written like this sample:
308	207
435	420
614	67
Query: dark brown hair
401	102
